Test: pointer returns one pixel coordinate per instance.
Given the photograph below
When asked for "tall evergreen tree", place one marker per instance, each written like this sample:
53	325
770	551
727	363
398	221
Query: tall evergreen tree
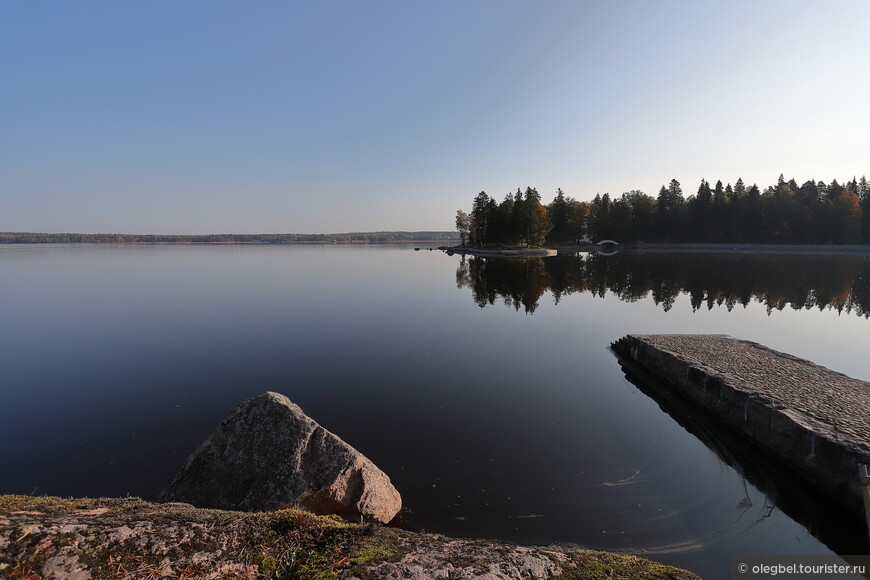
752	217
719	215
479	219
736	198
506	221
558	211
699	211
863	191
671	205
834	190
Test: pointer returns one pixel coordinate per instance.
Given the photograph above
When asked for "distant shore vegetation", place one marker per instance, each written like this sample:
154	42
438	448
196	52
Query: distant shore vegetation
347	238
786	213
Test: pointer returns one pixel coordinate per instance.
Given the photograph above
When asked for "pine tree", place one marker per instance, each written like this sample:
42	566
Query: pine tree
670	211
479	220
558	211
863	191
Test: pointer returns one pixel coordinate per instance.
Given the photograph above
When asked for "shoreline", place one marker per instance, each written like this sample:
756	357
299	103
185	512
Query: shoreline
634	248
87	538
820	249
501	252
793	249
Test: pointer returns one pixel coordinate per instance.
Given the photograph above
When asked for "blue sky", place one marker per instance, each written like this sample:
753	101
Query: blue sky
197	117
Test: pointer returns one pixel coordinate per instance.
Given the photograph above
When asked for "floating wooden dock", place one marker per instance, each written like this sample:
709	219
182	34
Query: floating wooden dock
814	420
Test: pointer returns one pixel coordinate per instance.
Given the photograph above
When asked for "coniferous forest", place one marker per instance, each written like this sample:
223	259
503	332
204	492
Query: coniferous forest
786	213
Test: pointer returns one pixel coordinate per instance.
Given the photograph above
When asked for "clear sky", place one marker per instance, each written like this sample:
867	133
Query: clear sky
332	116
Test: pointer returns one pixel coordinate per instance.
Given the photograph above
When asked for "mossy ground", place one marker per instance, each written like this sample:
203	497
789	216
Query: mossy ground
284	544
588	565
131	538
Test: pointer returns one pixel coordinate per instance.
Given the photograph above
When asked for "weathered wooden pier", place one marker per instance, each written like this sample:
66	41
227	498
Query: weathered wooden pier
814	420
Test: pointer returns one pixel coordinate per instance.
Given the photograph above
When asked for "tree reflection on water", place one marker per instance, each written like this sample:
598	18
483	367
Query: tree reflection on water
840	283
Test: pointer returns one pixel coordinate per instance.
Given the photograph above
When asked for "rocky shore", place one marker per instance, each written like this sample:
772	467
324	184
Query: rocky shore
90	539
267	455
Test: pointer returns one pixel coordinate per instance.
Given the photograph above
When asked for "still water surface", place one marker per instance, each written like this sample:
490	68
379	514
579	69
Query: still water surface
485	389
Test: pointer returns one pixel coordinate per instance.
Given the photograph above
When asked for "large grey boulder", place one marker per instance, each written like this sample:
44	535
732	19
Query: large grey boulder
269	455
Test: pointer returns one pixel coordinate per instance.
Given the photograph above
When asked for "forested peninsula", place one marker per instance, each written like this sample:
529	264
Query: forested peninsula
785	213
347	238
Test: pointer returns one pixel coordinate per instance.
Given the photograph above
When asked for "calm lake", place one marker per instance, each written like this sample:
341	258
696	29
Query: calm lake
485	389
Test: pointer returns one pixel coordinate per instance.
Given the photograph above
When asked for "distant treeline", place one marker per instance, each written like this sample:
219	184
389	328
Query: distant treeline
812	213
348	238
800	282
